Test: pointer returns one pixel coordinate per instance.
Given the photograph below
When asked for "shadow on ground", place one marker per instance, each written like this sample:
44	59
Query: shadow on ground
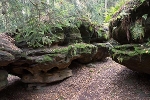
112	83
133	84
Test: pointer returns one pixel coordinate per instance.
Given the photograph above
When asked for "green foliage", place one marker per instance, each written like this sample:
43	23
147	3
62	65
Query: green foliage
47	58
145	16
142	1
35	34
36	20
109	14
137	31
123	52
81	48
127	51
115	9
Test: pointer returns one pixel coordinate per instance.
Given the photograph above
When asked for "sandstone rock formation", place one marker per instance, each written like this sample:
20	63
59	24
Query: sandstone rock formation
51	62
8	51
8	54
131	31
38	64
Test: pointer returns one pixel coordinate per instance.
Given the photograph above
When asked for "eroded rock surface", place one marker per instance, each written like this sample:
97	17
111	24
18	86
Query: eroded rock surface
131	33
133	56
8	54
46	65
51	62
47	77
8	51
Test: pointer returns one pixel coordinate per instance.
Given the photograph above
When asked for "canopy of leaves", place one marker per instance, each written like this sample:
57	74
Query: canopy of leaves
30	20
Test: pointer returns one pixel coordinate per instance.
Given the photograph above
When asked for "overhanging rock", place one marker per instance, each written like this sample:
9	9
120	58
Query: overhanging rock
50	63
130	28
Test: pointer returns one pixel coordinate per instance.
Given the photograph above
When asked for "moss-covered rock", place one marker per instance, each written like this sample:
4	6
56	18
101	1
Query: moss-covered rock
36	62
60	47
66	44
128	25
91	32
133	56
130	28
73	35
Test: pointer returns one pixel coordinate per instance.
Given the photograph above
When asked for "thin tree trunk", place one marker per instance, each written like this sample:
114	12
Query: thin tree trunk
105	5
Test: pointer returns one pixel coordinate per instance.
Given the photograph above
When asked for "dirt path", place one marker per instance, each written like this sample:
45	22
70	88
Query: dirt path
106	81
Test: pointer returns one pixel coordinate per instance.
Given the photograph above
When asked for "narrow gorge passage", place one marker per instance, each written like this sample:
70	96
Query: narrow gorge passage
102	81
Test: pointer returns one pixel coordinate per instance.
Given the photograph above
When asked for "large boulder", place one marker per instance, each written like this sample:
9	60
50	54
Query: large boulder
50	63
130	29
134	56
39	64
8	51
130	23
8	54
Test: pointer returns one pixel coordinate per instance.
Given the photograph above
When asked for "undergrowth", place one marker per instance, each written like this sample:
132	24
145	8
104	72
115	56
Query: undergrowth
113	10
36	20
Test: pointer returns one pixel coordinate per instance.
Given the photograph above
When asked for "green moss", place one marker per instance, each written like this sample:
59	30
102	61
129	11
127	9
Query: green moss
24	55
83	45
70	51
81	48
60	50
125	52
47	58
102	45
102	33
85	48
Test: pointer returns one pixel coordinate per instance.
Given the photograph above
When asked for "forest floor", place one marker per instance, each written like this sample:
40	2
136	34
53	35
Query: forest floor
105	80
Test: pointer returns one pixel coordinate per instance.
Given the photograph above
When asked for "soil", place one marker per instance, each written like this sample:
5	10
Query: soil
105	80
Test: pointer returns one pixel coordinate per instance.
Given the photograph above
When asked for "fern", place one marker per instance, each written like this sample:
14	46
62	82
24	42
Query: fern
137	31
109	14
35	20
